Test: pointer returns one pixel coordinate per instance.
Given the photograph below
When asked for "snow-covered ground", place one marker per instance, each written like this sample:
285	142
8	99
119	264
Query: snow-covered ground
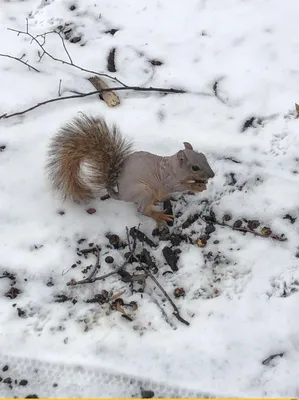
242	305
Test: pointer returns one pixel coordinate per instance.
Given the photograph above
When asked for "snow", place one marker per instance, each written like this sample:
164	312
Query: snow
242	310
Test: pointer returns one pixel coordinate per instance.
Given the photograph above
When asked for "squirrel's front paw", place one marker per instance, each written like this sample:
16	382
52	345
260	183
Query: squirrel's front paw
160	217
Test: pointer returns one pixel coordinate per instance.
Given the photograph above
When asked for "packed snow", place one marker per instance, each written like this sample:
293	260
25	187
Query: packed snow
238	61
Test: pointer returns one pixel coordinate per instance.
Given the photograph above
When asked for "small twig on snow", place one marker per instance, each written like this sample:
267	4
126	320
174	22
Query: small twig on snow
21	61
216	93
247	230
176	312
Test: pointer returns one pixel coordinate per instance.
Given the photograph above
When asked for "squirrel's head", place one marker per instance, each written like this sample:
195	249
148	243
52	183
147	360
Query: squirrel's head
194	169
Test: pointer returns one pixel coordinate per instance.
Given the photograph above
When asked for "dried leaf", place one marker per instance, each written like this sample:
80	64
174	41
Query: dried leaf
297	110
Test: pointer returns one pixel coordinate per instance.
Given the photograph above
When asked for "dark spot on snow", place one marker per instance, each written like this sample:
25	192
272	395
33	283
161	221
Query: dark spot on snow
23	382
75	39
61	212
251	122
5	368
55	384
210	229
109	260
156	62
21	313
112	31
13	293
269	359
50	282
146	394
72	7
2	148
290	218
81	241
32	396
111	61
7	380
233	180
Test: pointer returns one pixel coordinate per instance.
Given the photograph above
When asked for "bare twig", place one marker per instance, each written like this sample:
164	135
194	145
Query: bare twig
21	61
75	96
45	52
176	312
216	92
247	230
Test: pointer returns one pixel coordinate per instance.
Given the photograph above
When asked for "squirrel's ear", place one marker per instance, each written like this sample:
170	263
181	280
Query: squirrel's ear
181	157
188	146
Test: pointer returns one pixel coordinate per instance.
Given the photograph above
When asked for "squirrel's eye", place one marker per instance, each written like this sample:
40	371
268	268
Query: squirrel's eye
195	168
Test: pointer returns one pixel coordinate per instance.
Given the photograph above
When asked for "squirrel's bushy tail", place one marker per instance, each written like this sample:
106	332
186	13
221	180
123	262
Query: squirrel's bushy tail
86	157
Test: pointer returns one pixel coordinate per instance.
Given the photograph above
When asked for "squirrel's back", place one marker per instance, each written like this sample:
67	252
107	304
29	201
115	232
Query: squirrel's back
85	157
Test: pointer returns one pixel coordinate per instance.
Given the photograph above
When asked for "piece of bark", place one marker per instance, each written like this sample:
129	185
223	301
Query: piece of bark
110	98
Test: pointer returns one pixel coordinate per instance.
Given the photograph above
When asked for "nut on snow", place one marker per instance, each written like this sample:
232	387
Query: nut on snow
265	231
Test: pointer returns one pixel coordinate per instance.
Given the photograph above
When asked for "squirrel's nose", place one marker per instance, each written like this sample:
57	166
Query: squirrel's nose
212	174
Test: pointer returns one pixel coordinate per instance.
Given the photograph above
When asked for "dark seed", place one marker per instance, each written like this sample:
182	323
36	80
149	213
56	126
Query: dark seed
23	382
74	266
5	368
2	148
227	217
237	224
55	384
76	39
109	260
210	229
156	62
179	292
252	225
7	380
147	394
114	241
72	7
80	241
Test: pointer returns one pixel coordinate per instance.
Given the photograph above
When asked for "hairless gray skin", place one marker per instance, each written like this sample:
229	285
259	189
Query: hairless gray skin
146	178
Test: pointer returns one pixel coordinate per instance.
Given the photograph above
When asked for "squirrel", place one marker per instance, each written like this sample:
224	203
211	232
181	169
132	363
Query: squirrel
86	157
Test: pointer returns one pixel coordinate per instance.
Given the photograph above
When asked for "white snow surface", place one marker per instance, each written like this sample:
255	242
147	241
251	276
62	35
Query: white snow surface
242	310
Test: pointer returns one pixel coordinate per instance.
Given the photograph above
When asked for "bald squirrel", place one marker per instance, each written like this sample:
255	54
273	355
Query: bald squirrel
86	157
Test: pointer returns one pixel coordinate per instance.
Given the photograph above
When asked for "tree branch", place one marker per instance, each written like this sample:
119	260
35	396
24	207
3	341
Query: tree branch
21	61
44	51
75	96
